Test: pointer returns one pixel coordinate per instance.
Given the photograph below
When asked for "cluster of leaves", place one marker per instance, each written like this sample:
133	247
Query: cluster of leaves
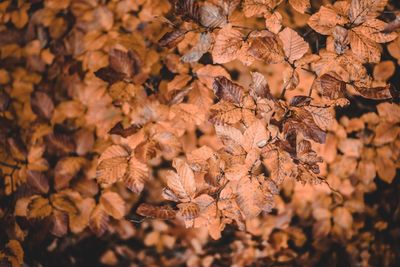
206	114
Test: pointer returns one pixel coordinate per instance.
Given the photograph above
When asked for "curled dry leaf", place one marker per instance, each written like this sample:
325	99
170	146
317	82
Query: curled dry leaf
156	212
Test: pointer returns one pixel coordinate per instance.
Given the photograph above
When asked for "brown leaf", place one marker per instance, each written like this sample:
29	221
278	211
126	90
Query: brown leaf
279	164
376	93
98	221
38	207
330	86
171	39
59	223
119	129
127	63
38	181
113	204
199	49
300	5
264	45
227	90
109	75
259	86
189	210
250	197
42	104
259	7
227	44
156	212
212	16
293	44
362	10
136	175
188	9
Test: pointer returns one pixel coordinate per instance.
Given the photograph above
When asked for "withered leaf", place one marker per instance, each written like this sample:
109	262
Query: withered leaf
300	5
113	204
38	181
42	104
212	16
228	90
188	210
109	75
119	129
293	44
199	49
188	9
227	44
38	207
330	86
98	222
377	93
250	197
136	175
156	212
266	46
171	39
127	63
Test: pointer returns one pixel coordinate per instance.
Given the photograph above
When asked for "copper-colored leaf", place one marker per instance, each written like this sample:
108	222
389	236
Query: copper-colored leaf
227	90
227	44
293	44
98	222
113	204
156	212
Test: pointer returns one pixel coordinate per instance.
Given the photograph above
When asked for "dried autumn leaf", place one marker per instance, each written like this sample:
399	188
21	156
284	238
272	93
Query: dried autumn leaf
365	49
259	86
392	26
266	46
256	136
325	20
212	16
182	182
113	204
322	116
113	165
279	164
136	175
330	86
171	39
59	222
293	44
38	207
156	212
259	7
225	113
384	70
300	5
373	30
64	202
38	181
127	63
227	44
377	93
363	10
228	90
199	49
188	211
250	197
98	221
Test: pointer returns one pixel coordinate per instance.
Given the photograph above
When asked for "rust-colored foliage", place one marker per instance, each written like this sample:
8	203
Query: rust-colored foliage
199	133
